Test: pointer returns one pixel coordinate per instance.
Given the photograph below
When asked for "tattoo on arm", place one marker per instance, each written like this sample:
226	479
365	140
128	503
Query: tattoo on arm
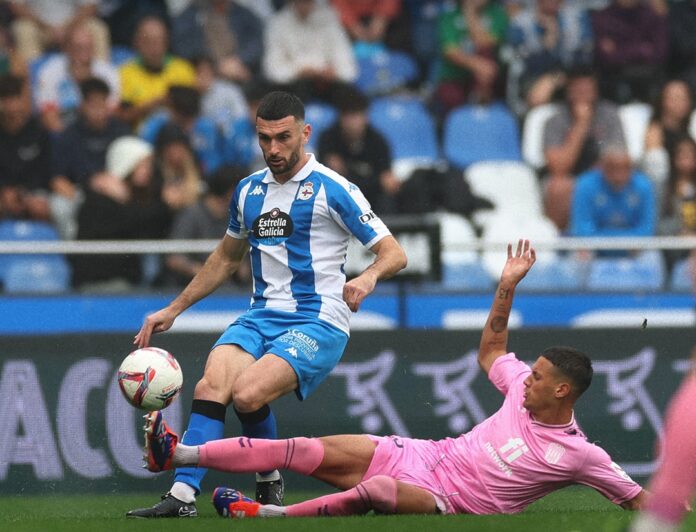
499	324
503	293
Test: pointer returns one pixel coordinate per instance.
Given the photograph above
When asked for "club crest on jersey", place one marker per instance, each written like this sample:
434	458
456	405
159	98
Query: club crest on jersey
306	191
273	227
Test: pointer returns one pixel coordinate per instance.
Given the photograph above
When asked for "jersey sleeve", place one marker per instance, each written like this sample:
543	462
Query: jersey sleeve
350	209
607	477
236	227
506	371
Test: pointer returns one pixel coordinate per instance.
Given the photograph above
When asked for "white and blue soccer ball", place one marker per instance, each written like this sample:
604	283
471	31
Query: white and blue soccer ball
150	378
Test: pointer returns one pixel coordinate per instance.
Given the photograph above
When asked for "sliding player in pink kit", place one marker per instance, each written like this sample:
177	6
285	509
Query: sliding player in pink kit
674	483
530	447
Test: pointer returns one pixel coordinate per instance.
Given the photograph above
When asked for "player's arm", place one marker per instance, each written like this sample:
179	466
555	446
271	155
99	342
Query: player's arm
390	259
636	503
218	267
495	333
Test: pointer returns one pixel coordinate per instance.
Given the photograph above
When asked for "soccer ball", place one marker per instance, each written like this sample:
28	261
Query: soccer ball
150	378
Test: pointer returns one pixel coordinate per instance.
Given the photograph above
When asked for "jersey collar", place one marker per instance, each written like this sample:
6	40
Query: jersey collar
563	426
301	175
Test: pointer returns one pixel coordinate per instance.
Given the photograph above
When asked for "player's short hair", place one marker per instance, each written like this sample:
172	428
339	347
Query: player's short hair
277	105
573	364
94	85
11	86
581	70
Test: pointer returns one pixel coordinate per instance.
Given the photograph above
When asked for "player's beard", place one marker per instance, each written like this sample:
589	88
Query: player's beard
285	168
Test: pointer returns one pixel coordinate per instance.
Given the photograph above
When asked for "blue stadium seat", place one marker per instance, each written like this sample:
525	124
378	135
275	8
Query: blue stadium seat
645	273
474	133
385	71
407	126
19	230
37	275
466	276
680	279
558	275
320	116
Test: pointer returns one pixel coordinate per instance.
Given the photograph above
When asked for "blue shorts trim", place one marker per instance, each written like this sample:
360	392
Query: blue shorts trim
311	346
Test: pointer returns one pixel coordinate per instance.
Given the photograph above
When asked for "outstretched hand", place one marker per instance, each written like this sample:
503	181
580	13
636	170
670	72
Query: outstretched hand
160	321
520	263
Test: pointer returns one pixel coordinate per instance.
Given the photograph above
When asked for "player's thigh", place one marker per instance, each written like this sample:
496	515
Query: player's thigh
411	499
222	369
262	382
346	459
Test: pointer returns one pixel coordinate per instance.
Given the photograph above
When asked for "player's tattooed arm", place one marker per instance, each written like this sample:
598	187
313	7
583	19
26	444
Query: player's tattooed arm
494	337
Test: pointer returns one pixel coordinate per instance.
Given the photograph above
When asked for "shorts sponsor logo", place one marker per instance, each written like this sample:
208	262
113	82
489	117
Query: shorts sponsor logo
554	452
273	227
367	217
306	191
300	343
292	351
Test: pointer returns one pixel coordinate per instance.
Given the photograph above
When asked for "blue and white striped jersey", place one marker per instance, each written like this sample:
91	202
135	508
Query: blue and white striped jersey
298	234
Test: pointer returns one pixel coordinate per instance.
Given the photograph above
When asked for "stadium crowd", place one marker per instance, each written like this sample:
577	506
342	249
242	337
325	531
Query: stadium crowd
125	119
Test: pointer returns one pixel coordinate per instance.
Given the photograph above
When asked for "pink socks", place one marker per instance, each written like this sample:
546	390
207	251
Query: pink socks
247	455
675	481
377	493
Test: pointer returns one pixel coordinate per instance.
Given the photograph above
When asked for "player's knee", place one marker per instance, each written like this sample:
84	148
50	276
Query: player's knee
247	398
210	390
382	492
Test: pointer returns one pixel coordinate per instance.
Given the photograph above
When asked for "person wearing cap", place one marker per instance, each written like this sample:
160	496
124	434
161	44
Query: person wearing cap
123	203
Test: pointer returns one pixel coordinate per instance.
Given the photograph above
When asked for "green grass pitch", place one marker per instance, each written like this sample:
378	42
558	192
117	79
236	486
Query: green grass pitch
569	510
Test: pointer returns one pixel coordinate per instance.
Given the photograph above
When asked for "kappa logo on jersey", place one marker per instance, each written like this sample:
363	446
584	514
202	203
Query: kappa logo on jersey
273	227
365	218
306	191
258	191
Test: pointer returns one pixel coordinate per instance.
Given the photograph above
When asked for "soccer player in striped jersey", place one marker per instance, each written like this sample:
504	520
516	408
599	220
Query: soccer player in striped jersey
295	218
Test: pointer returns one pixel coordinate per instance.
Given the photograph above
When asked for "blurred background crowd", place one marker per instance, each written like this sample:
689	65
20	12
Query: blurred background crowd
134	119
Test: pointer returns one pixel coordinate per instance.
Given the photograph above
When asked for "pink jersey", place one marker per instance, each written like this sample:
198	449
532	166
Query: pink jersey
506	462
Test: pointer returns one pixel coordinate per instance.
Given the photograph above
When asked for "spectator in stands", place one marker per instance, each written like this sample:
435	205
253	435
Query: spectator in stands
614	200
206	219
241	143
146	79
80	151
25	155
45	24
470	37
183	109
122	203
356	150
573	138
307	49
374	21
678	209
222	101
177	167
123	16
548	38
229	33
682	41
631	48
57	92
669	123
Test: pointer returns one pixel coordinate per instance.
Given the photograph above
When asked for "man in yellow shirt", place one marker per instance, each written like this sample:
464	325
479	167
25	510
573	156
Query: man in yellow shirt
146	79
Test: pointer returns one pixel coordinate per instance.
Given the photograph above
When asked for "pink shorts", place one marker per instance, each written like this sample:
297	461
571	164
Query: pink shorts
410	461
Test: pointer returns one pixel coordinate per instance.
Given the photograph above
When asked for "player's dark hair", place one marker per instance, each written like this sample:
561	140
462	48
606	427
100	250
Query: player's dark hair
573	364
11	86
94	85
581	70
277	105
